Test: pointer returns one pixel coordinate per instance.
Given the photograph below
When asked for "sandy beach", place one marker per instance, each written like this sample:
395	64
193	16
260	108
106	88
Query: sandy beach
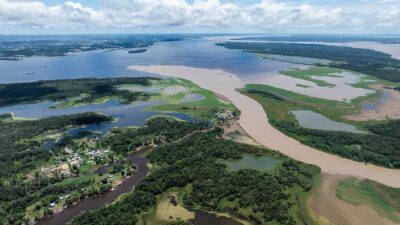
254	121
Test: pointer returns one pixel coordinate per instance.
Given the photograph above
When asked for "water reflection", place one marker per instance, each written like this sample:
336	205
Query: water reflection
205	218
190	52
126	114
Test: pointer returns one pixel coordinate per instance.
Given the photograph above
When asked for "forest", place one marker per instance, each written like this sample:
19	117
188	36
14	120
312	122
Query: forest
364	61
259	197
21	152
17	47
19	193
58	90
380	146
324	38
158	130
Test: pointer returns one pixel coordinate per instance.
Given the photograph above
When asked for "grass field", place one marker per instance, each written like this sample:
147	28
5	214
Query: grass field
309	73
384	199
203	109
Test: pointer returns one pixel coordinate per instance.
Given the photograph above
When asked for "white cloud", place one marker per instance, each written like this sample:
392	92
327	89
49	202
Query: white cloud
266	14
390	18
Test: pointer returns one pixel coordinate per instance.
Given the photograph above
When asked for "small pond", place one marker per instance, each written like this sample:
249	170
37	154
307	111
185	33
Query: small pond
248	161
205	218
192	98
313	120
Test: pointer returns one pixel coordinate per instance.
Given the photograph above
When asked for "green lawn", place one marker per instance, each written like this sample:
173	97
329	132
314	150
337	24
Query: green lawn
384	199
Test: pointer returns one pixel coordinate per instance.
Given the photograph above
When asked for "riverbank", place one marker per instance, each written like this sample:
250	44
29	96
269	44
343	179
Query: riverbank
326	204
69	213
254	121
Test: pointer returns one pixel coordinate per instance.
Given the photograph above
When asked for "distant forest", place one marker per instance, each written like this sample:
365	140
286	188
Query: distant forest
324	38
14	48
56	90
364	61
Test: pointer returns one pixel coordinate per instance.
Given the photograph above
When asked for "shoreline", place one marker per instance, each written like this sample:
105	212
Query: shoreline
254	121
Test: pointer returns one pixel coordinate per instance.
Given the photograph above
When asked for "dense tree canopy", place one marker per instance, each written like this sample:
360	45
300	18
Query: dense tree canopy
365	61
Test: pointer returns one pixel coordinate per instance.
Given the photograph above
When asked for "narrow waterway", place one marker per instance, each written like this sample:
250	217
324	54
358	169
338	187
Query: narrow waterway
98	201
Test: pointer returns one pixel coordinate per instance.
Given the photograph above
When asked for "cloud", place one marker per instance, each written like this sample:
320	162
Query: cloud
390	18
263	15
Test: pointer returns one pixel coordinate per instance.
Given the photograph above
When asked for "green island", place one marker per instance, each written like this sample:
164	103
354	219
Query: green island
18	49
363	61
368	148
71	92
313	71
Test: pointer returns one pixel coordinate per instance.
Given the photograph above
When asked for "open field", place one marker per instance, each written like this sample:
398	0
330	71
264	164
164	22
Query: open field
168	209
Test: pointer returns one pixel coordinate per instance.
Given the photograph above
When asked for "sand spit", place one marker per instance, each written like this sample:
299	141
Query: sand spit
328	205
254	121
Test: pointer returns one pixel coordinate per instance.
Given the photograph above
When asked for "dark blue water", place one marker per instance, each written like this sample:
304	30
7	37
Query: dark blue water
126	114
191	52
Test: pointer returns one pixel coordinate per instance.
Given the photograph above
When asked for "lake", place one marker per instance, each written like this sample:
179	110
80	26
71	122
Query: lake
205	218
313	120
195	52
126	114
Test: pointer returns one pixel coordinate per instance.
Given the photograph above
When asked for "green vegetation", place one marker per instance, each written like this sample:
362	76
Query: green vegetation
381	198
193	165
88	89
363	61
21	154
204	109
287	101
261	164
44	46
157	130
307	74
380	147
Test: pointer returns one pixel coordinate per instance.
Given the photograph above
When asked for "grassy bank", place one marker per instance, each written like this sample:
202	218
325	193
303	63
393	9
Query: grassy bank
366	148
383	199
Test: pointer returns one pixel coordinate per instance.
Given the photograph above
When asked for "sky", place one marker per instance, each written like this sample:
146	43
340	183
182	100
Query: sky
199	16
